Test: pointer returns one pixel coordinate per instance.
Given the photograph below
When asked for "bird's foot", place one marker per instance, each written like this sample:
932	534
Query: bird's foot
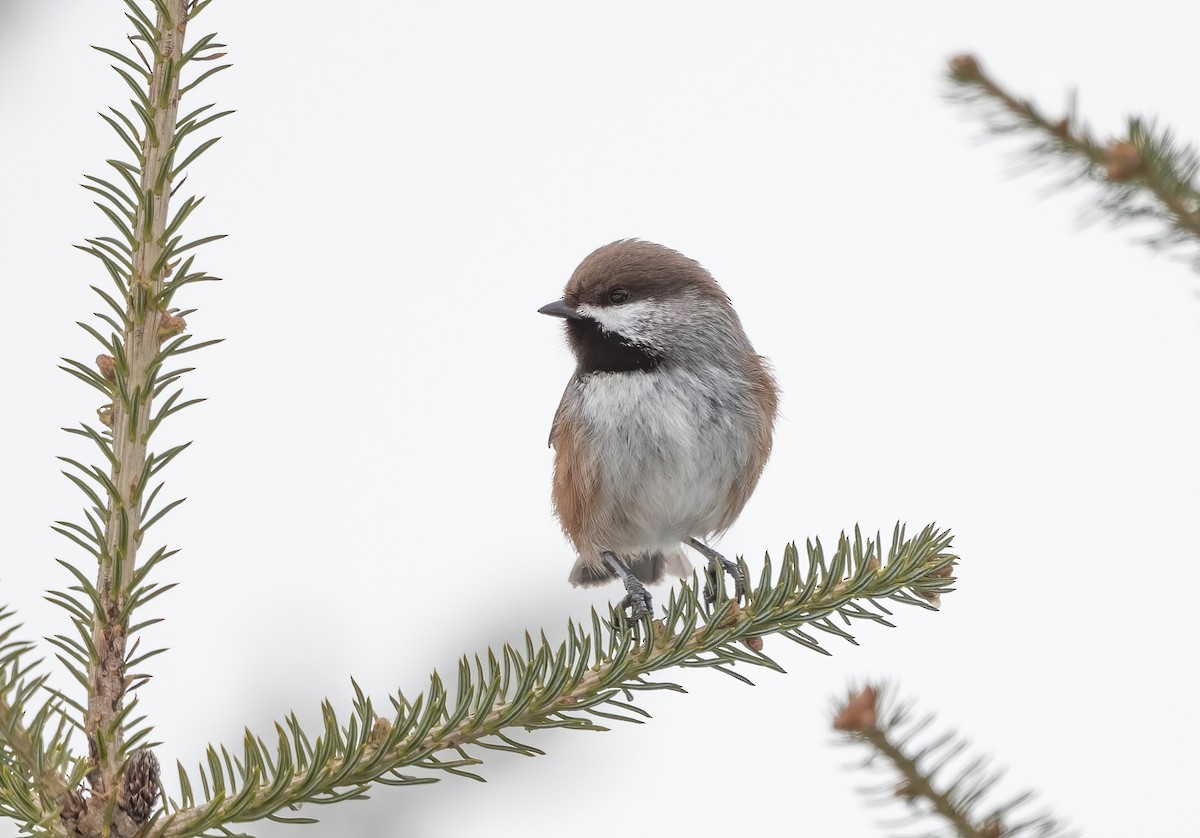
637	603
637	600
716	564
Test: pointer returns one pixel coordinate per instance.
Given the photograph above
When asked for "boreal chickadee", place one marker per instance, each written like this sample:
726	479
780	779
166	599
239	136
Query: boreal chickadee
665	426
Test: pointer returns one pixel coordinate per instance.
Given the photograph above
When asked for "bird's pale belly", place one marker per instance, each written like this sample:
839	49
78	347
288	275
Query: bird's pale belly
668	460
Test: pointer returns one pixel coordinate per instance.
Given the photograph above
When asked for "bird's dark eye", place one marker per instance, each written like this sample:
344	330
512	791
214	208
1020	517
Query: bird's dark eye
618	295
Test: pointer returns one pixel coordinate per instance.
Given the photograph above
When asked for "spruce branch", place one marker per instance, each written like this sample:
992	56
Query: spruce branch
869	717
32	781
159	101
590	678
593	675
139	333
1145	173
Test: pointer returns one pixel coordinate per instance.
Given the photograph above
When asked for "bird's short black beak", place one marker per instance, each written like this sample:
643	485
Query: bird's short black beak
560	308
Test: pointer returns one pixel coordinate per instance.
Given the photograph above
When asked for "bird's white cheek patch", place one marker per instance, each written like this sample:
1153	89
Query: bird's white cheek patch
631	320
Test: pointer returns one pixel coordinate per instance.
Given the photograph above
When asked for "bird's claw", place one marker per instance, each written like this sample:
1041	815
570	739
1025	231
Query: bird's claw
716	564
637	599
638	602
712	583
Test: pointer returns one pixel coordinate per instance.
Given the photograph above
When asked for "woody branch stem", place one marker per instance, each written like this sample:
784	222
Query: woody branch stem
1137	160
966	70
918	784
132	407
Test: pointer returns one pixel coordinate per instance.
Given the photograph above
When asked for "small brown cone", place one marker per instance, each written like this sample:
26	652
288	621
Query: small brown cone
139	786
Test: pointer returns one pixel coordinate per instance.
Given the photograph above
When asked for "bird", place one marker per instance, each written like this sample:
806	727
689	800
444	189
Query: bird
665	425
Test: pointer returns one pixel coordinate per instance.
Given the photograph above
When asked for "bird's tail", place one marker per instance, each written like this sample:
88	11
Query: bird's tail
649	568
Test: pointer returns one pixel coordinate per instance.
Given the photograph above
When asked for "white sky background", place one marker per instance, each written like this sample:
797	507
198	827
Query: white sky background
404	185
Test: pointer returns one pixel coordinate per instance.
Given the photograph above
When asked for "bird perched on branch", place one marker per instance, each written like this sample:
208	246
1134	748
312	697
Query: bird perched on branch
664	428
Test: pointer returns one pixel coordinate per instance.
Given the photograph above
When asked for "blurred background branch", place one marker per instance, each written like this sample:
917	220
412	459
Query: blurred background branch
933	773
1144	174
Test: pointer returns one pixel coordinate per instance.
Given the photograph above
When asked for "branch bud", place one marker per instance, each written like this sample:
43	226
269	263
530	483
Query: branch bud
992	829
735	616
169	325
74	807
107	365
933	597
379	732
1124	162
858	715
965	68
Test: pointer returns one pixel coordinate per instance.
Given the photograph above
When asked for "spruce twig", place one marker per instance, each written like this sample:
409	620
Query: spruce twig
590	678
32	784
109	791
131	415
869	718
1145	174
